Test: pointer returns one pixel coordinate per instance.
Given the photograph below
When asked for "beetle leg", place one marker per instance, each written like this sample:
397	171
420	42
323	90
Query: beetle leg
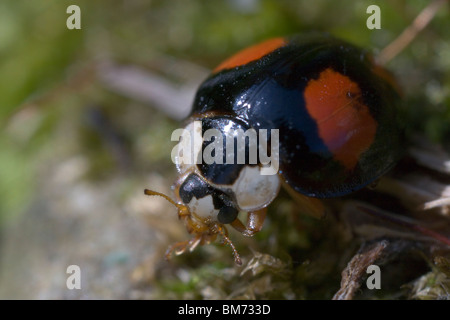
255	221
176	248
226	240
181	247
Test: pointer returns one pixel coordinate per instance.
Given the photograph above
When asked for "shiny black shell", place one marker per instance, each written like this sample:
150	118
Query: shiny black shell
282	90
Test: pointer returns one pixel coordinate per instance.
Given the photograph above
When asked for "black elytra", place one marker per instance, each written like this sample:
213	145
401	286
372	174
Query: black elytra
283	90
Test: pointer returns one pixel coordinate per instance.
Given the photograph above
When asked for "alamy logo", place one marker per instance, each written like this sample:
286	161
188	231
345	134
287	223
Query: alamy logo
74	280
74	20
239	144
374	280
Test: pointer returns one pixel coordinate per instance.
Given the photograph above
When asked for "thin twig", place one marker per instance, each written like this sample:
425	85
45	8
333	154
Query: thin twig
419	23
356	269
150	88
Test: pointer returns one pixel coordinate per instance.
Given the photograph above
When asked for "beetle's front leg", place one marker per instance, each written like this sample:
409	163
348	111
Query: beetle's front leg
183	246
255	221
189	245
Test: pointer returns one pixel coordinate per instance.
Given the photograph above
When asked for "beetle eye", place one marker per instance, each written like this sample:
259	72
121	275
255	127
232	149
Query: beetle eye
227	214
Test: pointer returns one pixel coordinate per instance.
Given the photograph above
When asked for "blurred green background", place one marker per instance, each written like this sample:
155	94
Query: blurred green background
75	154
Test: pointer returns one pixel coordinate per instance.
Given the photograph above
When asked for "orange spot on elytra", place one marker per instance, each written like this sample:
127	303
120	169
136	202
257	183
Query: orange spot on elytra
251	54
344	121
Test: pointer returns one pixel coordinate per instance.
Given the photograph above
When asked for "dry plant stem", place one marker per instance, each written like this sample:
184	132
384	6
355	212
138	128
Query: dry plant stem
149	88
436	203
419	191
410	225
352	275
433	159
403	40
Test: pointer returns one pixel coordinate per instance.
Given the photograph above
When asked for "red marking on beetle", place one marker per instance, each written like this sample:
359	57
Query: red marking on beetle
250	54
344	121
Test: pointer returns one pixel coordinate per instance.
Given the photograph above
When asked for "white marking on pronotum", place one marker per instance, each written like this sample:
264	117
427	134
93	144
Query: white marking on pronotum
188	151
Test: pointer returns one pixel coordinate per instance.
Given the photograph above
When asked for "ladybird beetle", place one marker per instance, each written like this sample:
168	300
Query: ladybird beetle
336	113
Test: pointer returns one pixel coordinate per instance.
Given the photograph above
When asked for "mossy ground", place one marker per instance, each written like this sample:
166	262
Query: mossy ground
76	155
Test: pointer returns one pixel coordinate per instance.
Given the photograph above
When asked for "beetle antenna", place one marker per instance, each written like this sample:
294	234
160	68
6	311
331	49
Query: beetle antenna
155	193
227	240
